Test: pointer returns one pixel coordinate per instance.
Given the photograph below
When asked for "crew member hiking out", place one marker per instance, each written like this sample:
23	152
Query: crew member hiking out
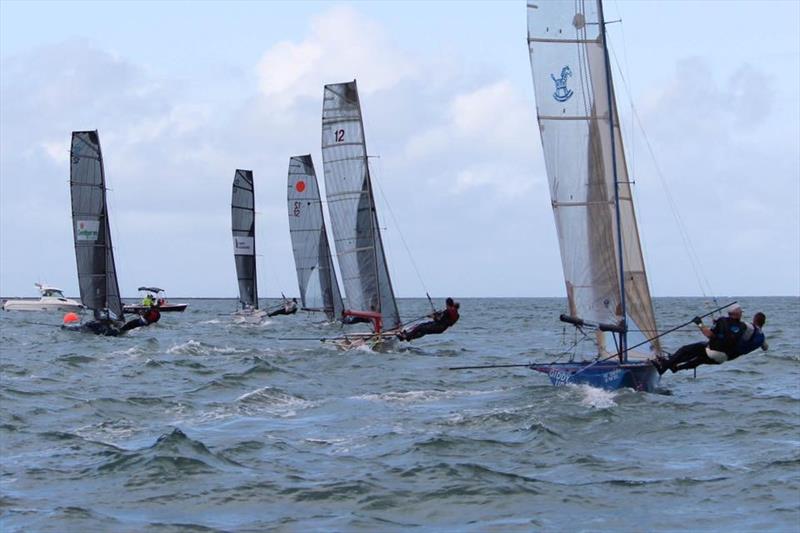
441	321
289	308
728	339
149	316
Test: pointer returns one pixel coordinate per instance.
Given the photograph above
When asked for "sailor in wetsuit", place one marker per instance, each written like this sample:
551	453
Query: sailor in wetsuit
441	321
729	339
150	316
289	308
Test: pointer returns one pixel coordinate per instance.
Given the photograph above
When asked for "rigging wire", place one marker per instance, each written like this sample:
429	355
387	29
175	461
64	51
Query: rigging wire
399	232
693	256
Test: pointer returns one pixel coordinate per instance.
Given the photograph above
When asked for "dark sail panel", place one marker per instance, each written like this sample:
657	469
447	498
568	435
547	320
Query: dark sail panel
351	204
97	274
316	277
244	237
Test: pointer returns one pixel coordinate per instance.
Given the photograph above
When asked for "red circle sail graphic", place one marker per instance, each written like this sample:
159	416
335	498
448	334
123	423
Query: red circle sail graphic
300	186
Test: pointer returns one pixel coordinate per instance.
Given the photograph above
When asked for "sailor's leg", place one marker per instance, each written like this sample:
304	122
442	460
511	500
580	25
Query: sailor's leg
684	354
420	330
426	328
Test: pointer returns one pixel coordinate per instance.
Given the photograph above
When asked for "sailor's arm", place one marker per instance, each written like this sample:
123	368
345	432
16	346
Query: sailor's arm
705	330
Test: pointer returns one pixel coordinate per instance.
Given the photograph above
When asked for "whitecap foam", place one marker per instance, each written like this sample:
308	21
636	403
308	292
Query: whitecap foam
597	398
272	401
133	351
193	347
419	395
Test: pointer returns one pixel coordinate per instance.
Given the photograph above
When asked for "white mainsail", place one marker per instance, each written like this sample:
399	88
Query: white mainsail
576	108
97	274
319	290
352	206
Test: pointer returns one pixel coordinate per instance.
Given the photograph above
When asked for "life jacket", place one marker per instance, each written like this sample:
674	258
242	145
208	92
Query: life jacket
152	315
448	317
725	336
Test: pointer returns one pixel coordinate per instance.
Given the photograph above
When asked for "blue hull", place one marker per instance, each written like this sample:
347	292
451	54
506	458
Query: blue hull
608	375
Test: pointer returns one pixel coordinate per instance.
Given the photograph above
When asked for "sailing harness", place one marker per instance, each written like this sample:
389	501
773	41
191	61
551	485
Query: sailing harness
725	337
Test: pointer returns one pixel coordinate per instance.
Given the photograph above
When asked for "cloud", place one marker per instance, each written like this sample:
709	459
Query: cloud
342	45
496	126
460	164
730	161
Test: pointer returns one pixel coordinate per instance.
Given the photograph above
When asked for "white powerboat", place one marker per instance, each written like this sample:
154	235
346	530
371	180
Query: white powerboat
52	299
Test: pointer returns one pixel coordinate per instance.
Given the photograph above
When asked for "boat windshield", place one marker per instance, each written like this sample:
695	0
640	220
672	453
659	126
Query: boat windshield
55	293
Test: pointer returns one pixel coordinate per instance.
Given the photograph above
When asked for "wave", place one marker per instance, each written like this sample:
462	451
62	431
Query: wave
173	456
193	347
271	400
75	359
417	396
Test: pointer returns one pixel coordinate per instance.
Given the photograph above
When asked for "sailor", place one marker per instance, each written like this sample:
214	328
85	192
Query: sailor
152	315
289	308
728	339
754	337
147	301
441	321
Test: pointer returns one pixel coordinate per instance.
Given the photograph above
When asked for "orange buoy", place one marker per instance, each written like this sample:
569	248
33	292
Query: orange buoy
71	318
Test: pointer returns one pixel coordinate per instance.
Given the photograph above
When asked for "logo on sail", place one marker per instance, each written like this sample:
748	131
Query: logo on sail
562	93
300	185
243	245
88	230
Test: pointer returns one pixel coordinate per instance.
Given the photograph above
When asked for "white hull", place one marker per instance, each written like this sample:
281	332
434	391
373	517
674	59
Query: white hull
249	316
43	304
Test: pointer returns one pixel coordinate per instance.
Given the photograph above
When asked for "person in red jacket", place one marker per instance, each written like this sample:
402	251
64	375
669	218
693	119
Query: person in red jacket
441	321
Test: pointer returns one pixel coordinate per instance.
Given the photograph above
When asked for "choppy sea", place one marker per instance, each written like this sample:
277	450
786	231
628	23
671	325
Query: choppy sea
200	423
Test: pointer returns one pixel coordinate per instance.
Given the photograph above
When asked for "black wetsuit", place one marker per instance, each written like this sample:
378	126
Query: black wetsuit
441	321
283	311
151	316
725	337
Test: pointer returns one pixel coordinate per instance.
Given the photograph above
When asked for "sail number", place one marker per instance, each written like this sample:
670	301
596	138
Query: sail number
296	210
339	135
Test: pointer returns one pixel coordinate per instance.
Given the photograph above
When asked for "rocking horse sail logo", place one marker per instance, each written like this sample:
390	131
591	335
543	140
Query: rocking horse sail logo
563	93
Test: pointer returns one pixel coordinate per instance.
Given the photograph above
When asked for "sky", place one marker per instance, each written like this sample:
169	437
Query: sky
184	93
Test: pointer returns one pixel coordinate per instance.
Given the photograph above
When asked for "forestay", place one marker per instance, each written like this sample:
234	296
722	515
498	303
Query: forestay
571	82
97	274
244	237
319	290
352	206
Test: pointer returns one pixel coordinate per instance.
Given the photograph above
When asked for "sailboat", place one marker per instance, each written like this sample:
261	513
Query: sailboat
243	227
601	254
94	254
354	220
319	290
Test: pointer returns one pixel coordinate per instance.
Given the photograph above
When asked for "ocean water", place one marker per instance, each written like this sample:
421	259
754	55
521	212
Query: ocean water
202	424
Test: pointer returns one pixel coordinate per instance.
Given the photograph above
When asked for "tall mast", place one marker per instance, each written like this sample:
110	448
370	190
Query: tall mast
623	336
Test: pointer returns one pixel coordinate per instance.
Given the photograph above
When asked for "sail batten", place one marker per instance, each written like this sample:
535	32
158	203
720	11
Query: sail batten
351	203
316	277
582	144
94	254
243	228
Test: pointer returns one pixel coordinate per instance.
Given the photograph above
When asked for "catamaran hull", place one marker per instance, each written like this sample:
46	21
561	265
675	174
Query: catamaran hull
639	376
166	308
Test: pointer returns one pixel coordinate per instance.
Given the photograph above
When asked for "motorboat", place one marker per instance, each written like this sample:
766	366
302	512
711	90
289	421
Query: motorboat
154	295
52	299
